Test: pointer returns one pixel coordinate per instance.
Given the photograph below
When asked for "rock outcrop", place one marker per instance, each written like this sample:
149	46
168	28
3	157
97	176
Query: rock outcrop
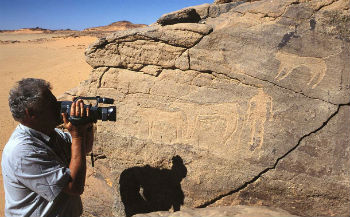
253	100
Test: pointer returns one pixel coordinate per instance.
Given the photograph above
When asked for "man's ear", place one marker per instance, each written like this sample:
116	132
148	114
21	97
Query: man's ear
29	114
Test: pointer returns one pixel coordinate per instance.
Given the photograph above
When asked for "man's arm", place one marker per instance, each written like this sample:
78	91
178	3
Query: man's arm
77	164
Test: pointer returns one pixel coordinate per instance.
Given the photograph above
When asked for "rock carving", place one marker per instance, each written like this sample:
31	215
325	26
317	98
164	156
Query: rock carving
259	111
207	125
214	124
289	62
162	126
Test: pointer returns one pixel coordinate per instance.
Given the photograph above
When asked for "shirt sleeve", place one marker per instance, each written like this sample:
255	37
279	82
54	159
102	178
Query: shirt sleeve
42	173
65	135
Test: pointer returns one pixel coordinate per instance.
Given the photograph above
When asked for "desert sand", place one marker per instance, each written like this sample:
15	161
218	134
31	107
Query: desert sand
57	58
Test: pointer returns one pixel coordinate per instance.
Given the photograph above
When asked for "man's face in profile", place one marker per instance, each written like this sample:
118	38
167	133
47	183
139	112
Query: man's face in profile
49	113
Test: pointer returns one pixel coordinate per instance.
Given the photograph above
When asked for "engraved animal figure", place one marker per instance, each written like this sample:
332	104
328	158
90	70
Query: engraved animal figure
258	112
289	62
213	124
162	126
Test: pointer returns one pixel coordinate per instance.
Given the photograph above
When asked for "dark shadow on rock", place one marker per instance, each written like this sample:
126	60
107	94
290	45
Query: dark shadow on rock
146	189
188	15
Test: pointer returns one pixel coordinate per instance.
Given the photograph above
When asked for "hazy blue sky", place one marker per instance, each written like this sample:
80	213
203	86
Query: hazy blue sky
80	14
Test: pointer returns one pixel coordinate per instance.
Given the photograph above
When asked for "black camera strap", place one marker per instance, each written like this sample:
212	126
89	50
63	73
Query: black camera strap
78	120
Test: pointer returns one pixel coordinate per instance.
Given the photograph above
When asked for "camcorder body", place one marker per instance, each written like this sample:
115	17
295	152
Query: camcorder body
96	113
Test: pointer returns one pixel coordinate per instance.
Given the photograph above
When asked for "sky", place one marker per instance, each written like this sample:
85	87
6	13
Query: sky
81	14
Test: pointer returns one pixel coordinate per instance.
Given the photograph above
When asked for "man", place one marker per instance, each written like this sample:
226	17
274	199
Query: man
44	168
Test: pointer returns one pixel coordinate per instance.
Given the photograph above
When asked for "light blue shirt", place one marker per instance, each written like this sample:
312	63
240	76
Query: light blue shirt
35	169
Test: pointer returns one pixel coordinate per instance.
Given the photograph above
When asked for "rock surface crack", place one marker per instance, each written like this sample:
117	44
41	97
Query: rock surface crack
270	82
296	92
326	5
100	78
254	179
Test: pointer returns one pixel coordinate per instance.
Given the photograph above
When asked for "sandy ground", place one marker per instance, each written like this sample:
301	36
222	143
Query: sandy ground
59	60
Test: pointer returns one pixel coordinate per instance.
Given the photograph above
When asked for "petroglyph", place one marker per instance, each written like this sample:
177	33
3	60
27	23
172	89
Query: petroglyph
209	125
162	126
213	124
204	124
259	111
289	62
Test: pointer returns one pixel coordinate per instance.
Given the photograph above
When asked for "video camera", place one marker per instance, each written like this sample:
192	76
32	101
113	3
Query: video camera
96	113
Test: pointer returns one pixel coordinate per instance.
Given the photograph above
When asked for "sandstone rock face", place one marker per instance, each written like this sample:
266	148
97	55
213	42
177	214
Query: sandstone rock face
253	101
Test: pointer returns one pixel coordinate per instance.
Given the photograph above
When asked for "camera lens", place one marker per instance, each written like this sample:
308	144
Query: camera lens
108	113
112	111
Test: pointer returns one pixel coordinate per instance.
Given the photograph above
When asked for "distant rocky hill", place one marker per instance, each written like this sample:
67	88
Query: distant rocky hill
29	30
116	26
100	31
239	103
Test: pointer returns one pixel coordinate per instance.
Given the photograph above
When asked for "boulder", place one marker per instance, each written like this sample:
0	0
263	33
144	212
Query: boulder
253	102
199	14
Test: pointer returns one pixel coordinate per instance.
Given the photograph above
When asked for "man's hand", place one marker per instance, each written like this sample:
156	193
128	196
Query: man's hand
77	110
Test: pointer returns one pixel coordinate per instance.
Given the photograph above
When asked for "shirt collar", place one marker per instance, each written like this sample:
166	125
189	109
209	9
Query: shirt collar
35	133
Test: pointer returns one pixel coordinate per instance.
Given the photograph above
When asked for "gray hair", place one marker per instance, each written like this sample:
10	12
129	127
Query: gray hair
28	93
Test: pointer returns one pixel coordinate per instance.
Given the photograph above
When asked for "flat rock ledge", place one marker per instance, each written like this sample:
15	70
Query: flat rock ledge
227	211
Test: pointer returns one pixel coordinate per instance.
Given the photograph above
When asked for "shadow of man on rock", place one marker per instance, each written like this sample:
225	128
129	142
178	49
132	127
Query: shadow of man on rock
146	189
